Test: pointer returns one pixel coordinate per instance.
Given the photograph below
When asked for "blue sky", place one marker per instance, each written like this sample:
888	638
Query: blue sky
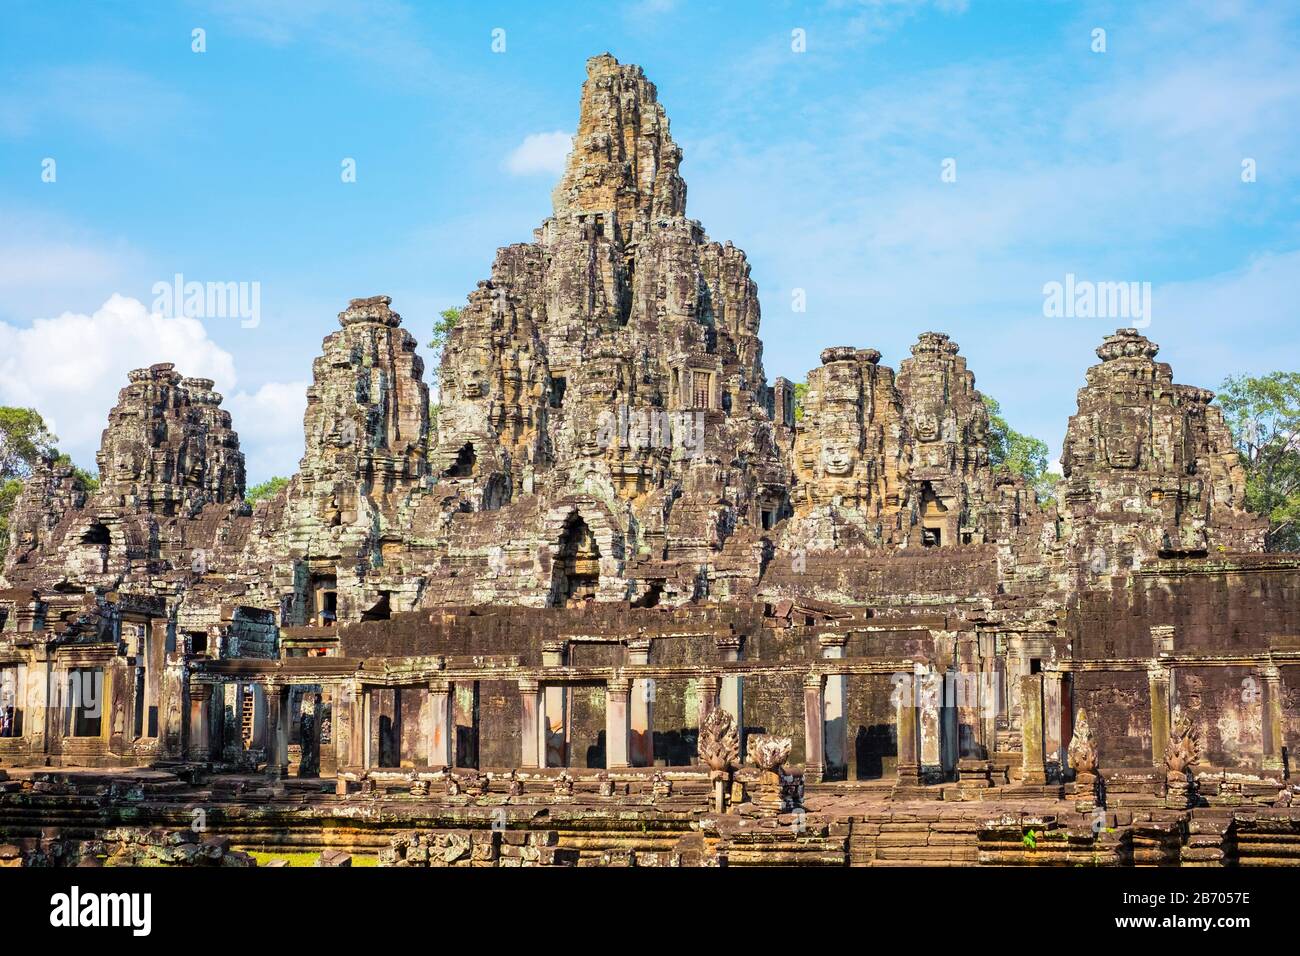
825	166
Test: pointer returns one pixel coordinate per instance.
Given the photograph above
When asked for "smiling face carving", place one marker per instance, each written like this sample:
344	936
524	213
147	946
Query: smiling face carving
839	454
1122	439
927	424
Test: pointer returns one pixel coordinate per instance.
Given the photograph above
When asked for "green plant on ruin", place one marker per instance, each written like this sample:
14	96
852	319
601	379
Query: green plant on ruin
1263	414
800	394
24	441
267	489
1030	839
1020	454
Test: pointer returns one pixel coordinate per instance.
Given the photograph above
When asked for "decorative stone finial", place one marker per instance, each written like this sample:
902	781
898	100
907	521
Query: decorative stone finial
1083	750
719	744
1127	343
769	752
1184	751
374	309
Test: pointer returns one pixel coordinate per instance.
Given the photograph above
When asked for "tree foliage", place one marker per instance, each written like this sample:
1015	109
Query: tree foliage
10	489
1018	453
800	394
25	440
1263	414
266	489
442	327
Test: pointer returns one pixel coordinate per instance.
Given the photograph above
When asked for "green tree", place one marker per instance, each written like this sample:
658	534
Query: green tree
266	489
442	327
1263	414
24	440
800	394
1018	453
10	489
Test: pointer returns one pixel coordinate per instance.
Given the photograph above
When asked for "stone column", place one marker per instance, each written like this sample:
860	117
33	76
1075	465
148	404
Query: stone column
1271	716
616	723
992	691
1031	730
37	712
277	730
200	740
834	700
441	732
642	745
909	755
1158	682
732	694
555	733
329	729
708	689
530	734
344	719
1053	744
930	726
814	728
974	729
367	736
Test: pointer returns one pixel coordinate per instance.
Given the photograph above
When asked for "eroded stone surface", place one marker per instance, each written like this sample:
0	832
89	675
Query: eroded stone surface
617	550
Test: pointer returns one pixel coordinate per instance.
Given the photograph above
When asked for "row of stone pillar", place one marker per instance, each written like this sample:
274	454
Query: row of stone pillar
1046	707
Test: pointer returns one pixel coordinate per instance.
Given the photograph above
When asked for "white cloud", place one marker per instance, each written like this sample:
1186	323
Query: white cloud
49	263
540	153
70	368
269	422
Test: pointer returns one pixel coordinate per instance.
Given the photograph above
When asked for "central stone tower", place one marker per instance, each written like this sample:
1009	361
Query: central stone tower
612	366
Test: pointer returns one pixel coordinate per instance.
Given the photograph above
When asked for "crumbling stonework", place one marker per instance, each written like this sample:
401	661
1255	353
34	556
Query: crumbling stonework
1151	469
616	562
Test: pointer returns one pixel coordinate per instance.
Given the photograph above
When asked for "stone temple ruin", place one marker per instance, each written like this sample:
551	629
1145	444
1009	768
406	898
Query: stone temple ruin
617	604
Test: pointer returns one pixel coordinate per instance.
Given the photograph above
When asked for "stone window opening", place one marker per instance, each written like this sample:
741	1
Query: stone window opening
85	704
464	464
146	690
701	389
652	595
767	518
11	712
329	608
96	541
558	385
577	564
381	610
932	517
326	601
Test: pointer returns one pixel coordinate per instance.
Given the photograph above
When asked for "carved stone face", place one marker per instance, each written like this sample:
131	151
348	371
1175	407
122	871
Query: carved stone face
1122	440
927	424
126	460
474	366
838	455
592	441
